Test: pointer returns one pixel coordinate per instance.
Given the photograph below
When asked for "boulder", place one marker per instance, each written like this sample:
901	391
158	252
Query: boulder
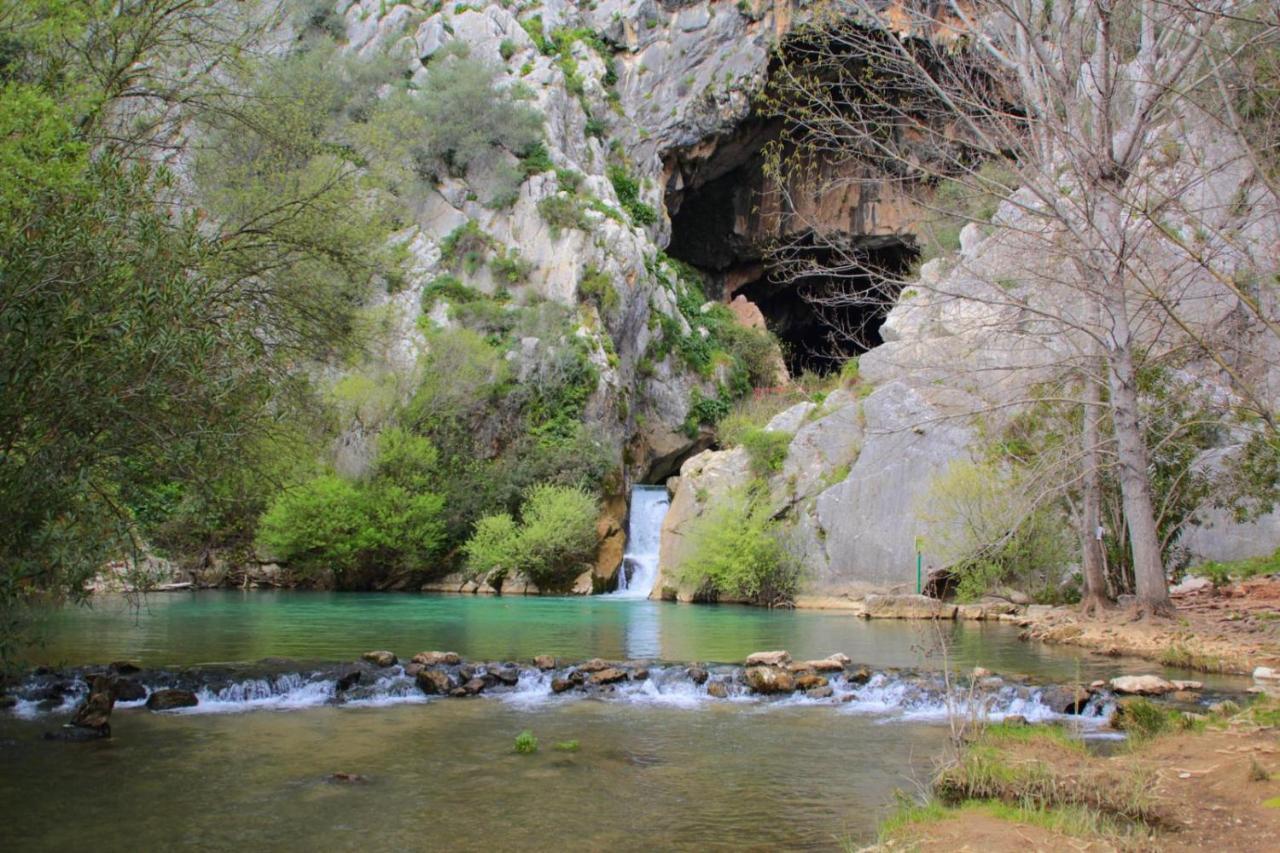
95	711
573	679
434	682
593	665
769	680
820	693
980	672
381	658
545	662
697	674
810	682
1064	698
347	681
508	675
1141	685
473	686
778	658
1266	673
124	667
165	700
437	658
1187	685
831	664
907	607
128	690
861	675
718	690
609	675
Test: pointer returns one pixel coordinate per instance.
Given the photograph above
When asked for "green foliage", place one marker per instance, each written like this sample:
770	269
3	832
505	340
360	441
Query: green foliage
767	450
536	159
494	550
364	530
459	119
152	349
704	411
555	538
973	197
567	746
990	534
1142	719
628	190
737	548
1223	573
563	211
597	287
526	743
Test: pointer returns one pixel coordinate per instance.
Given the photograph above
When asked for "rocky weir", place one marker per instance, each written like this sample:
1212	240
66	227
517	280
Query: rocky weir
767	679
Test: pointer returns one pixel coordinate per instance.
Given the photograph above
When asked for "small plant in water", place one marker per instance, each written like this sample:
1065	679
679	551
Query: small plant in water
567	746
526	743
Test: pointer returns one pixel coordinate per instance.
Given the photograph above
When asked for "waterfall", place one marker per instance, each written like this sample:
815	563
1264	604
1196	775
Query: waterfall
640	563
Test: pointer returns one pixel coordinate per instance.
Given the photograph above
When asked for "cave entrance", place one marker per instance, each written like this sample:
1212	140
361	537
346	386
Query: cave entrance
824	298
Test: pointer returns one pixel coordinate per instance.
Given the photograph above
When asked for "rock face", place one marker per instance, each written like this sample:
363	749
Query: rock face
907	607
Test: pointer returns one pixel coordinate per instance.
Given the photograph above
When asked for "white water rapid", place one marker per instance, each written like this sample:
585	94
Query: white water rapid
640	563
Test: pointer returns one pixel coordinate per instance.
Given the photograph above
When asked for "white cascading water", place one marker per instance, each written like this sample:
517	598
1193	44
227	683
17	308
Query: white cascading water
640	562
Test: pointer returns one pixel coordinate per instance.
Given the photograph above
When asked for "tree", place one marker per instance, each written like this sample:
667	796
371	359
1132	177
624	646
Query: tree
144	336
1079	104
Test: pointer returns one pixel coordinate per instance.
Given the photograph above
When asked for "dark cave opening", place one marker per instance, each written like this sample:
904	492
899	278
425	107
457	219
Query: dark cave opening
824	297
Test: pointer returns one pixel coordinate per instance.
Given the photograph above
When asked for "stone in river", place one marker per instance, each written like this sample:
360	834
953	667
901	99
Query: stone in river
819	693
698	675
861	675
124	667
437	658
474	686
127	690
769	680
545	662
380	658
593	665
508	675
718	690
1141	685
809	682
346	682
610	675
434	682
165	700
778	658
95	712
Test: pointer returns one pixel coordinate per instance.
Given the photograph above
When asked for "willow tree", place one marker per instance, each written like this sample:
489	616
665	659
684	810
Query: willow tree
1066	114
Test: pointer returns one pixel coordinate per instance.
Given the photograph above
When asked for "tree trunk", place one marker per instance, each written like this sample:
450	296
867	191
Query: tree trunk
1095	596
1131	452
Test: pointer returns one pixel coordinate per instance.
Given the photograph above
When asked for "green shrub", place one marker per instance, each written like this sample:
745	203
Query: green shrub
556	536
628	190
536	159
510	267
704	411
493	552
507	49
526	743
362	530
737	548
767	450
562	212
557	533
597	287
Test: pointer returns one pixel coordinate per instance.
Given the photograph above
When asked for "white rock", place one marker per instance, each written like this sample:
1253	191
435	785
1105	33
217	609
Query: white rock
1142	685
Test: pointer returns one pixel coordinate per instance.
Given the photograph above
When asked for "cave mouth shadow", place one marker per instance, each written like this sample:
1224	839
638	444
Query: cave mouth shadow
827	310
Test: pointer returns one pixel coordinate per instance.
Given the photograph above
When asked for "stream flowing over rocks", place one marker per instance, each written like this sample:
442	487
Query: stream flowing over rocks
766	679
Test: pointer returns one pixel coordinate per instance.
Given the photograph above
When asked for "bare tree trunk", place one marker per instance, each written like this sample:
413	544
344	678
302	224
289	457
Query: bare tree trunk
1131	453
1095	596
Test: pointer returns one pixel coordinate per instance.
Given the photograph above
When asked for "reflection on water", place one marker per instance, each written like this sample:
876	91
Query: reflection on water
644	631
214	626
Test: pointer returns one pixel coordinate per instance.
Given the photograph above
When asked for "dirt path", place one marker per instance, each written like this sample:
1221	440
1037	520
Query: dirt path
1233	630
